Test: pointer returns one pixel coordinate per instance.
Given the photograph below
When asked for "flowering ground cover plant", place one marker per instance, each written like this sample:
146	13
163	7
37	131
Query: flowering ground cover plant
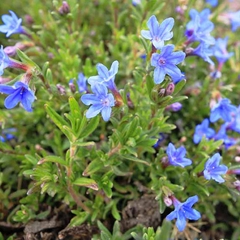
119	119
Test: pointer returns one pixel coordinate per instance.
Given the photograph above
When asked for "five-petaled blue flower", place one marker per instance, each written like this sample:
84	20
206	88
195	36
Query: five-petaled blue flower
105	76
183	211
101	101
158	33
201	130
176	157
213	3
12	24
19	92
213	170
166	62
199	28
222	109
219	50
82	83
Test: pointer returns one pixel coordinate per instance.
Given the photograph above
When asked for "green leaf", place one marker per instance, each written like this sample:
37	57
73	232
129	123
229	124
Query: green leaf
115	212
107	235
93	167
54	159
166	230
134	159
31	159
25	59
60	122
86	182
179	86
91	126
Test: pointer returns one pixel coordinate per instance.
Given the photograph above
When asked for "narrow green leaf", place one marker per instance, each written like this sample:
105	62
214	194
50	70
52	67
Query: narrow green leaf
179	86
74	107
25	59
91	126
93	167
166	230
54	159
134	159
86	182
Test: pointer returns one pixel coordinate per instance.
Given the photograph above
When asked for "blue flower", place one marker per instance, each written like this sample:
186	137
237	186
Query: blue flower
184	211
234	18
203	130
105	76
101	101
222	135
158	33
82	83
199	28
12	24
222	110
175	107
19	92
219	50
203	51
176	157
136	2
213	170
7	134
213	3
166	62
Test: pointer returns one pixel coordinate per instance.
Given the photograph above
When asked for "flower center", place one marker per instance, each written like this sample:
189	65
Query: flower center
162	61
105	102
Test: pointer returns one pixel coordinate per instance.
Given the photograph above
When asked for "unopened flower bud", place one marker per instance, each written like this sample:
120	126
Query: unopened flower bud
61	89
170	89
174	107
64	9
10	50
72	86
167	201
237	185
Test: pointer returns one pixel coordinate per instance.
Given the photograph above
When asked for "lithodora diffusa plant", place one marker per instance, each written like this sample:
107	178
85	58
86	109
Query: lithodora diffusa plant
127	122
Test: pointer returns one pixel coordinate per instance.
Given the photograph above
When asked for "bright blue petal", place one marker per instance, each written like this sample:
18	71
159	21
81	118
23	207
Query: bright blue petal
159	75
146	34
94	110
153	25
106	113
114	68
191	214
100	90
191	201
94	79
171	215
167	50
181	221
176	57
27	100
89	99
6	89
154	59
172	71
102	71
13	99
165	28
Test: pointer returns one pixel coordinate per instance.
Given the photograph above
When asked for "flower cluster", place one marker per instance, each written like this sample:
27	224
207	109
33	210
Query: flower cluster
101	100
164	62
20	91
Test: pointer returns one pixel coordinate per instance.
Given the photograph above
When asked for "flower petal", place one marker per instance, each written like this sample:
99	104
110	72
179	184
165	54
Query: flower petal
181	221
106	113
165	27
171	215
146	34
6	89
153	25
13	99
159	75
89	99
94	110
114	68
102	71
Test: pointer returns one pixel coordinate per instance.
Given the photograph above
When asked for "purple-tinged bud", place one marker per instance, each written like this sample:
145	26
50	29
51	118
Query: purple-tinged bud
174	107
170	89
237	185
72	86
4	80
179	10
10	51
168	201
29	20
64	9
61	89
